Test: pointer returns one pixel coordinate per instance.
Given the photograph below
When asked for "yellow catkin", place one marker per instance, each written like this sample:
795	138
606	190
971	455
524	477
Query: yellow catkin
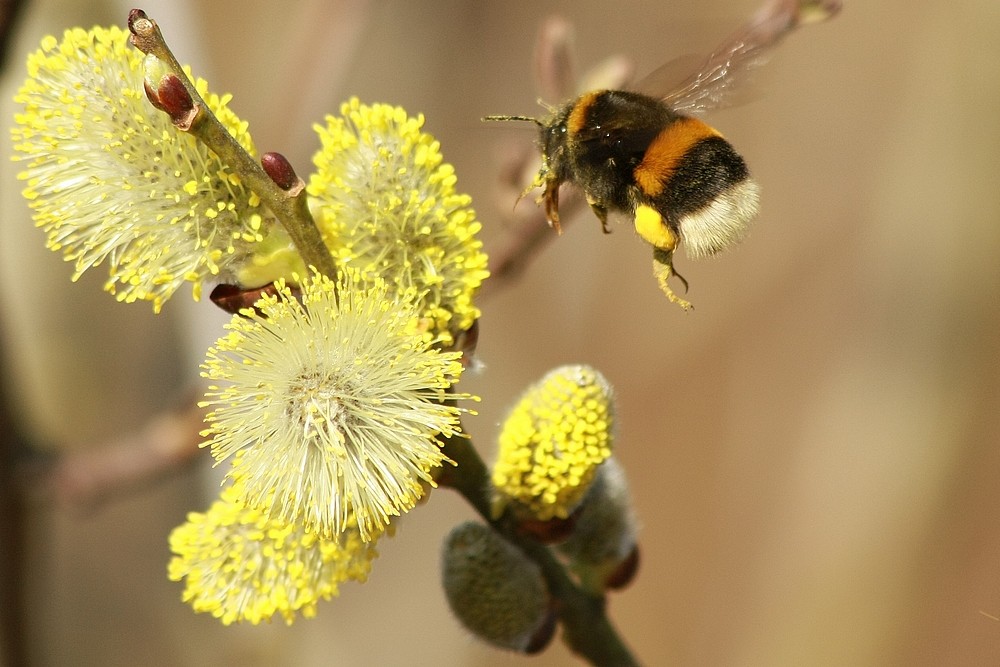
112	182
241	565
386	204
552	442
334	402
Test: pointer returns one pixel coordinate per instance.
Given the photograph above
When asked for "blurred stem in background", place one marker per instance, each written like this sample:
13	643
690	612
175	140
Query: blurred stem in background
13	649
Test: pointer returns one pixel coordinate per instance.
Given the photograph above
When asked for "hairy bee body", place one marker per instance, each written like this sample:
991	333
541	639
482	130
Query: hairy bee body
644	156
626	150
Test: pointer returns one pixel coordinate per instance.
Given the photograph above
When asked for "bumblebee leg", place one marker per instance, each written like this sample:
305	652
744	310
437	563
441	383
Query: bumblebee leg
651	226
663	269
550	201
601	212
676	275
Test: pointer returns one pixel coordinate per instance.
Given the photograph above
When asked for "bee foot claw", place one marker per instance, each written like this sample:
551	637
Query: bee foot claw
686	305
663	270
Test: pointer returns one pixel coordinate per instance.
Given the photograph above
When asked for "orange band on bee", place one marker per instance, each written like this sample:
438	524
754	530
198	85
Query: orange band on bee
578	117
666	151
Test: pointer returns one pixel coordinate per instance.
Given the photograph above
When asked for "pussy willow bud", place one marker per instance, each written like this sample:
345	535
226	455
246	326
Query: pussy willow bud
233	299
174	97
551	445
167	92
496	592
280	170
602	549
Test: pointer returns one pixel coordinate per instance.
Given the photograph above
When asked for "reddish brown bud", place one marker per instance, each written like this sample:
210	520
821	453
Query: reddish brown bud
170	96
466	342
233	299
280	170
549	531
133	16
625	572
144	31
543	636
174	97
152	95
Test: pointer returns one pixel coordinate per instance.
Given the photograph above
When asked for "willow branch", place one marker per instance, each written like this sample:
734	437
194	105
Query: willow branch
587	631
167	443
288	204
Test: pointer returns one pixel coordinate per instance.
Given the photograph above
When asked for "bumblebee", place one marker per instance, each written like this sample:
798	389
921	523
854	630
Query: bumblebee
681	182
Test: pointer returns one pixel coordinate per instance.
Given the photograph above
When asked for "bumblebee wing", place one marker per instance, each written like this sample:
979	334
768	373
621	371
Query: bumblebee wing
671	76
720	81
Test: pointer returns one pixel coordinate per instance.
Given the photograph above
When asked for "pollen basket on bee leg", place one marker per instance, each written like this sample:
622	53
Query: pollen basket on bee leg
653	229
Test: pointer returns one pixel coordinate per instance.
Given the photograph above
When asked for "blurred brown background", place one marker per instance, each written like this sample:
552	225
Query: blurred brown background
813	451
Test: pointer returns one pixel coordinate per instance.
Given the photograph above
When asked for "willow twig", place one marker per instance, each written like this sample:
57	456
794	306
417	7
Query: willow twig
289	205
163	445
587	631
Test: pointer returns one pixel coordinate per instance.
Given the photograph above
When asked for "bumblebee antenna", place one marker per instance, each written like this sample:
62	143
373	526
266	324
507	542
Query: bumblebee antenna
522	118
